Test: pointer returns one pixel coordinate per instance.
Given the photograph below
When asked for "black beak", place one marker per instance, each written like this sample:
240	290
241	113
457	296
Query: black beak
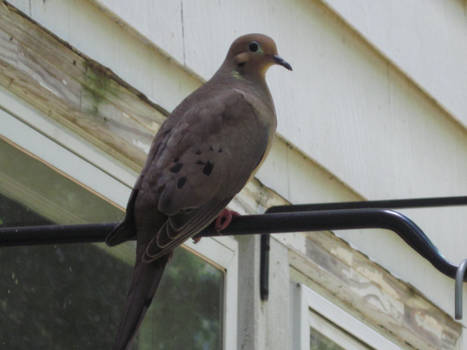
282	62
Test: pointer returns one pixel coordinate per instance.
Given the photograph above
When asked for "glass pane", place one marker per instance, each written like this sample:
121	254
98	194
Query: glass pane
187	311
72	296
320	342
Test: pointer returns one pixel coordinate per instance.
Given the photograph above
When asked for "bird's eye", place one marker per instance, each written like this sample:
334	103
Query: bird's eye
253	46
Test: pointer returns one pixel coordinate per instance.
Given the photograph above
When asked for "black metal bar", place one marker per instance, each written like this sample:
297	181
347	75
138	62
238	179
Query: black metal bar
255	224
382	204
54	234
342	220
282	219
264	267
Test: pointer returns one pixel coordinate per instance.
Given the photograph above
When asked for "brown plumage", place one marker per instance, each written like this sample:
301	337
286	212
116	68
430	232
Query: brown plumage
202	156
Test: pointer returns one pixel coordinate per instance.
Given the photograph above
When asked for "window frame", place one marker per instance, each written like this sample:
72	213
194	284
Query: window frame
306	303
92	168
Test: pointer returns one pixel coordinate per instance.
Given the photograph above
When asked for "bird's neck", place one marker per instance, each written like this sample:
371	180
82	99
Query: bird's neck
231	76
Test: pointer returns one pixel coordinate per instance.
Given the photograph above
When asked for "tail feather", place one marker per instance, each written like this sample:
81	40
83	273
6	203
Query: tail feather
146	278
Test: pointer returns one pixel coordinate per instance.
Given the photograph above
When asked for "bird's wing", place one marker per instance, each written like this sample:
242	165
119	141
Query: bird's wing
126	229
199	164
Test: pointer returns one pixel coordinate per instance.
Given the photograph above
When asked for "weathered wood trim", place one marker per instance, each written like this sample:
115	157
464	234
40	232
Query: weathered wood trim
375	296
90	100
75	90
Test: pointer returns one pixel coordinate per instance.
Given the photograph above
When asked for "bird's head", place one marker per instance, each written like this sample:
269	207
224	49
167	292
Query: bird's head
253	54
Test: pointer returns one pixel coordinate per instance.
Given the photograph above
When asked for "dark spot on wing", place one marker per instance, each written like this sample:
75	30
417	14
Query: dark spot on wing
198	152
207	170
210	148
219	150
181	181
176	160
176	168
199	162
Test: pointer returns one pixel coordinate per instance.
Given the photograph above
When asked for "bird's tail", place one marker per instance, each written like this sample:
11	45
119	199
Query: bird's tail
146	278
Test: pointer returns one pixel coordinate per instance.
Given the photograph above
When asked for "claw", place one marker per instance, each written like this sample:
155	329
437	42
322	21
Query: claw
224	219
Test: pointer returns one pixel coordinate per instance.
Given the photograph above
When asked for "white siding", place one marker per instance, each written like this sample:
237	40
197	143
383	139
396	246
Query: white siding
425	39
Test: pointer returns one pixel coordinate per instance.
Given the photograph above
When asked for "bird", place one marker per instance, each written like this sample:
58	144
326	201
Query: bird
201	157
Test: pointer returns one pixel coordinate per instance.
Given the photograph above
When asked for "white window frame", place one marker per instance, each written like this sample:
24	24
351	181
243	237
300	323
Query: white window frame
312	310
97	171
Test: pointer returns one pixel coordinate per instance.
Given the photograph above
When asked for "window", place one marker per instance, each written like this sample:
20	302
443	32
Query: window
320	324
72	296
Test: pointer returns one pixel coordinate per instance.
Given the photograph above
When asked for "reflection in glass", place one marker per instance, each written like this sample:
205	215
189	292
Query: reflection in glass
72	296
320	342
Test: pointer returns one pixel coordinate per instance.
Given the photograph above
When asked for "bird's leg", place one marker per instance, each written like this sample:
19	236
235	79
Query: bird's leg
224	219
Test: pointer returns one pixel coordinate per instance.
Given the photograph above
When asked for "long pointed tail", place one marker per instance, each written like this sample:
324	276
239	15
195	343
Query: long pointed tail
146	278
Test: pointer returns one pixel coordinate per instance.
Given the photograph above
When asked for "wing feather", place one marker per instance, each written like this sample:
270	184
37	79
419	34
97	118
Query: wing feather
168	237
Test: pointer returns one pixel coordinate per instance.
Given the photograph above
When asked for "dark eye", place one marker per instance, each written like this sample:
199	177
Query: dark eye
253	46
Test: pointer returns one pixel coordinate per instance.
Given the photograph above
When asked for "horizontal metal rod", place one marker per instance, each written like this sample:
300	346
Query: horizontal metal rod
342	219
54	234
383	204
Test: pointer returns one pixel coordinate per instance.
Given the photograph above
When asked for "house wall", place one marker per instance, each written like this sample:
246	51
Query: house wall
373	110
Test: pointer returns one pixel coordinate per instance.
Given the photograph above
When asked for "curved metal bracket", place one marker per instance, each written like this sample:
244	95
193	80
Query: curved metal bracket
460	275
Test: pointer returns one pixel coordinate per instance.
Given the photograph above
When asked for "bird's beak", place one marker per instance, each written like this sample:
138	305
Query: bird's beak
282	62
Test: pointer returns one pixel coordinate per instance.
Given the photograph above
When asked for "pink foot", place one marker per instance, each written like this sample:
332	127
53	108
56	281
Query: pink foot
224	219
196	239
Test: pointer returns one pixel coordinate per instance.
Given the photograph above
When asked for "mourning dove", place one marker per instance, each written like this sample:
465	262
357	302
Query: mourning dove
201	157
